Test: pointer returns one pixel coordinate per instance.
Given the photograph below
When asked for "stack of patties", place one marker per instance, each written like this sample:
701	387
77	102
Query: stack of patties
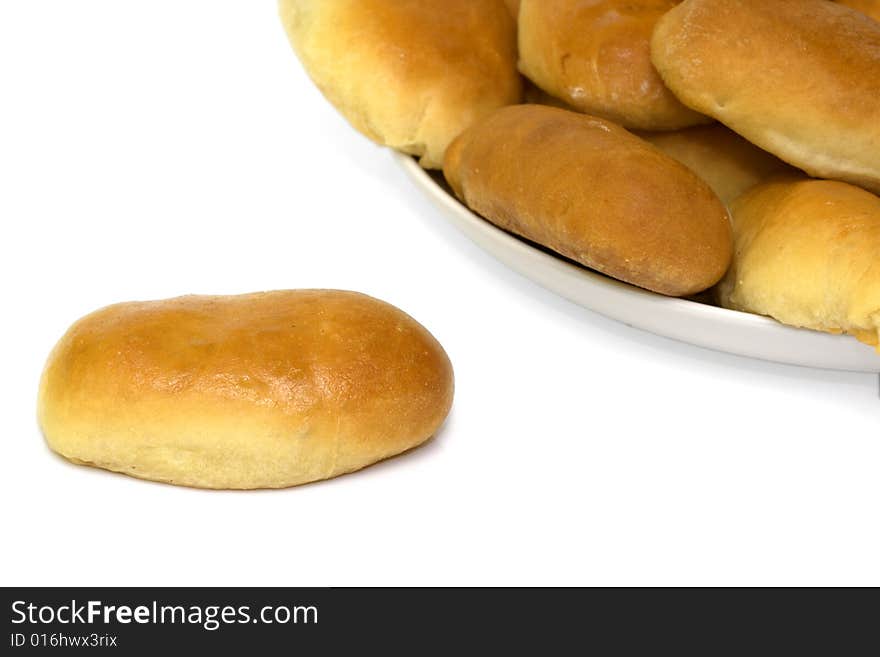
735	106
801	79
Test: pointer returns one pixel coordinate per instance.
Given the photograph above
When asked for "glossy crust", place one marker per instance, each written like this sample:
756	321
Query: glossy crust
594	55
806	254
592	191
722	158
408	74
799	78
262	390
868	7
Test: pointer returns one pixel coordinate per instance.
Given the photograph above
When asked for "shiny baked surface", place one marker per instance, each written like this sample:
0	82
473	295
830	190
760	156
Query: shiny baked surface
594	55
259	390
408	74
806	255
799	78
592	191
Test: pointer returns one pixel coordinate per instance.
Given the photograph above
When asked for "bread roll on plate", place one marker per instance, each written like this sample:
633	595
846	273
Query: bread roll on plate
722	158
868	7
593	192
260	390
799	78
808	254
594	55
410	74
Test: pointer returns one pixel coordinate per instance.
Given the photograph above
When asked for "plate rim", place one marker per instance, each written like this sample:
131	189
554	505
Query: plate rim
858	356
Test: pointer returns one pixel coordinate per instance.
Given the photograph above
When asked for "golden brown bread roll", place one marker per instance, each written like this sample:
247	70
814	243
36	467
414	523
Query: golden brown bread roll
409	74
722	158
261	390
595	56
590	190
799	78
868	7
807	254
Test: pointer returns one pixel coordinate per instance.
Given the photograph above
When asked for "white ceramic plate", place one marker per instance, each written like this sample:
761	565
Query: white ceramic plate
688	321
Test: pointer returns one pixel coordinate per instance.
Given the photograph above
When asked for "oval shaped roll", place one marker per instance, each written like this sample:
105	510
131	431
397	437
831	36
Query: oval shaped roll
594	55
408	74
799	78
262	390
590	190
807	255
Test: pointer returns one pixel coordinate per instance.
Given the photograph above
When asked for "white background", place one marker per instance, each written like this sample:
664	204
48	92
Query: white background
154	149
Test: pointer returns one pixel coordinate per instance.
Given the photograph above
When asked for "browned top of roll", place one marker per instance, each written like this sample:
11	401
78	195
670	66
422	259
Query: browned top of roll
595	56
258	390
595	193
799	78
409	74
807	255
